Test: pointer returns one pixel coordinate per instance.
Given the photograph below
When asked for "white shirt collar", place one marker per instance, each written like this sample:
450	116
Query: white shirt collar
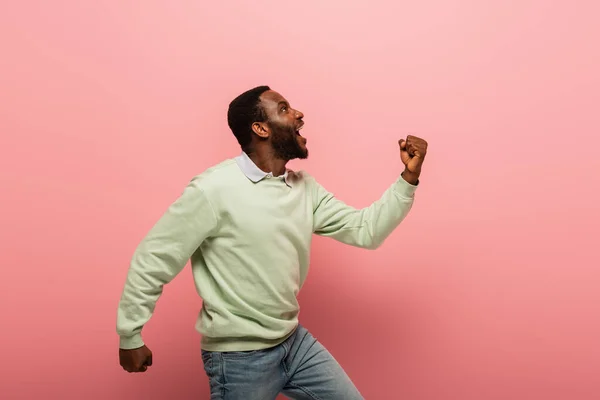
254	173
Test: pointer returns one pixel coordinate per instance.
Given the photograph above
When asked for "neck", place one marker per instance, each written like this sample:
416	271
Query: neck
267	162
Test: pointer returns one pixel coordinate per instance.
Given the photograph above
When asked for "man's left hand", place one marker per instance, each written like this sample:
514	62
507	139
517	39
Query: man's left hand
412	154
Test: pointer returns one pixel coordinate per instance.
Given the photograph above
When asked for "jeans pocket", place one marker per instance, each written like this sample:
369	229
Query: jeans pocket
207	359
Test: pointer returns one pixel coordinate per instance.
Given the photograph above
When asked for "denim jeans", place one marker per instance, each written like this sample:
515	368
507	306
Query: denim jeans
299	368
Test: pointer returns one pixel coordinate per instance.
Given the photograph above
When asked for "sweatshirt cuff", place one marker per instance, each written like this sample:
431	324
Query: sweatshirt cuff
404	188
131	342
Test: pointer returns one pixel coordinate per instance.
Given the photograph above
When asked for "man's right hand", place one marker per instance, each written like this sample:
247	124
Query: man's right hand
135	360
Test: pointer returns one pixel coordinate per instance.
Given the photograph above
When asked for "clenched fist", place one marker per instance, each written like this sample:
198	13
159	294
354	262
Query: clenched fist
412	154
135	360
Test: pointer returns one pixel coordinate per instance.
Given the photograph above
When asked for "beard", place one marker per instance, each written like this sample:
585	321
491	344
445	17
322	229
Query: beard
285	142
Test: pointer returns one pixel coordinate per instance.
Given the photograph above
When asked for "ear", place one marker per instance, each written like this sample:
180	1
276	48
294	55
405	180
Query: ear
261	129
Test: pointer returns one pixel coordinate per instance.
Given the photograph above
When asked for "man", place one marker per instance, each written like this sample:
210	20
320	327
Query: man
246	224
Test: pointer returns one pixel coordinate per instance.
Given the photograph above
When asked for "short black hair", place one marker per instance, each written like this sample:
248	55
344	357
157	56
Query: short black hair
243	111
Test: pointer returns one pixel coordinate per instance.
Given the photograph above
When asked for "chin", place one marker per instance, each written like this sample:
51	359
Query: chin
302	153
302	150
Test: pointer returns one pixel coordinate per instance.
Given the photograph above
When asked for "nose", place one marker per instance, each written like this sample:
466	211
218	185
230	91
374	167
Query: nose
299	114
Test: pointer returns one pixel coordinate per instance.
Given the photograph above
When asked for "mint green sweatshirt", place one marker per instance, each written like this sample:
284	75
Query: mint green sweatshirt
248	236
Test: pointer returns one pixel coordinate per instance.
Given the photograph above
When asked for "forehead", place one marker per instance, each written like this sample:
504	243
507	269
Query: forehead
271	98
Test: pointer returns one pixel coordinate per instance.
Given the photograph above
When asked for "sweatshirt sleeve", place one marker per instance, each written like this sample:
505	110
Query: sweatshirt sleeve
367	227
160	256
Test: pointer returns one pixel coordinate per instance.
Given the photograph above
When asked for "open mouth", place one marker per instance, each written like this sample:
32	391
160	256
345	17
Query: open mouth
301	138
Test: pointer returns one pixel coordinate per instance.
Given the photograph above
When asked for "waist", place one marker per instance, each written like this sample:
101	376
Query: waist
240	333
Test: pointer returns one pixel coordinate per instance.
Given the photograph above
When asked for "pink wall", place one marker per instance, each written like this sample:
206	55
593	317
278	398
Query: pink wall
490	289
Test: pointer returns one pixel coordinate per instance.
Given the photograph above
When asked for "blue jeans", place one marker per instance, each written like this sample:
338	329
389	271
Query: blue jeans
299	368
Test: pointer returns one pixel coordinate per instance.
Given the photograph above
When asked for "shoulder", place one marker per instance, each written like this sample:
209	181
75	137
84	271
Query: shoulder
215	174
300	177
308	178
214	177
307	181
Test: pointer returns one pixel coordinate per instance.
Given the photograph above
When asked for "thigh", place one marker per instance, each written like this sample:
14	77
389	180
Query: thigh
313	373
254	375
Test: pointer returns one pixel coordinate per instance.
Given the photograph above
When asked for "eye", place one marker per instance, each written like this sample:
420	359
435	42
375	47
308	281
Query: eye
283	109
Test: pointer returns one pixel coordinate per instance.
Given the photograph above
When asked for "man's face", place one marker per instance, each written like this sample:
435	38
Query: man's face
283	125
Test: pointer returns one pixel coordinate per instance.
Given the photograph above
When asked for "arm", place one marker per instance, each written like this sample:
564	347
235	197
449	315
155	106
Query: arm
367	227
370	226
160	256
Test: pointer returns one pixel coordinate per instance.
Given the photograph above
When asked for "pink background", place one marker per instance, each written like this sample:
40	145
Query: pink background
489	290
